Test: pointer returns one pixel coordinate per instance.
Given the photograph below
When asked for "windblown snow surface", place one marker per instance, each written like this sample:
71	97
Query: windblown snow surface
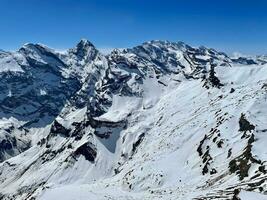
162	120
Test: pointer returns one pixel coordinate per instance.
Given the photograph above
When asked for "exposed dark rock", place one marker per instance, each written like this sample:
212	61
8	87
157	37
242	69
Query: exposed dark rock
41	142
79	130
88	151
236	193
242	163
199	149
220	143
101	123
232	90
244	124
57	128
138	142
213	171
212	80
7	144
262	169
264	86
256	184
229	153
206	159
205	169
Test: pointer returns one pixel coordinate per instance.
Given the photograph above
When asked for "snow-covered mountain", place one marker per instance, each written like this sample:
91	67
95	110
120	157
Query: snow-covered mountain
162	120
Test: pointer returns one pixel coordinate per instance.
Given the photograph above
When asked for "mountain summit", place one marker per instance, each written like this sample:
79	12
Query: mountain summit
162	120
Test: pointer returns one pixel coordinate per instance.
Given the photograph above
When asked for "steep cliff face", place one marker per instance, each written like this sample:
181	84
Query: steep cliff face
162	120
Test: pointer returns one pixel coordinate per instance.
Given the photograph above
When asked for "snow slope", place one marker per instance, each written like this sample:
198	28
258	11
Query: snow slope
162	120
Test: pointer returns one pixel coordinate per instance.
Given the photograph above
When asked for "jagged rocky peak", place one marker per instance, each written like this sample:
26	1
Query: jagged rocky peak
84	50
40	55
84	43
31	48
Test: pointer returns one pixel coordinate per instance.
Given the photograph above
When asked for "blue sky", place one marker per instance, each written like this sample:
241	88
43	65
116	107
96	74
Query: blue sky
227	25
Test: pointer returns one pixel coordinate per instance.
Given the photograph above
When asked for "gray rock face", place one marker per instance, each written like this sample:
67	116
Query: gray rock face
37	94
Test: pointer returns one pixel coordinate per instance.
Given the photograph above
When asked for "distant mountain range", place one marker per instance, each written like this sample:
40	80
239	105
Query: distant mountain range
162	120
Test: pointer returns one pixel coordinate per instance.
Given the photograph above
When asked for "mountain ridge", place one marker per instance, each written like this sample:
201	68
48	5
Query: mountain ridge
150	122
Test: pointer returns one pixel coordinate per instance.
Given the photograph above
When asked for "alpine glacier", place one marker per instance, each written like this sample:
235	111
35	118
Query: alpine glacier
162	120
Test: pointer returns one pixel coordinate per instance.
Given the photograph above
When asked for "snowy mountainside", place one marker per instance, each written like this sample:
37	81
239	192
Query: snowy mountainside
162	120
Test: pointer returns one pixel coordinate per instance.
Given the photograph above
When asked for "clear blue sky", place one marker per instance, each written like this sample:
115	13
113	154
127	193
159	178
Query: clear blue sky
228	25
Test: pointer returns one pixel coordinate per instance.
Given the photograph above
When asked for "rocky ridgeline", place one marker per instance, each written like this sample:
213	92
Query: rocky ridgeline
90	112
